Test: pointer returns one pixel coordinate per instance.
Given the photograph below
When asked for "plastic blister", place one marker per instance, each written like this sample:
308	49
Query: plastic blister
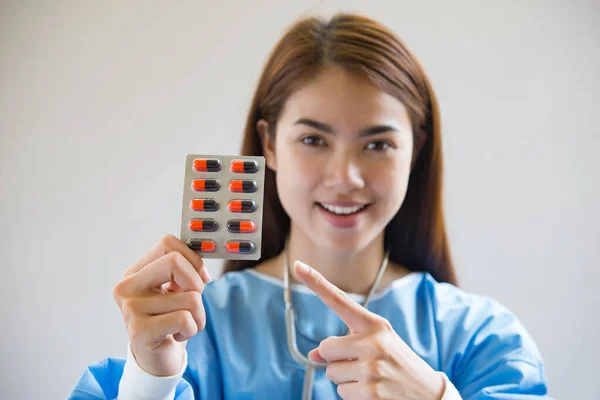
222	205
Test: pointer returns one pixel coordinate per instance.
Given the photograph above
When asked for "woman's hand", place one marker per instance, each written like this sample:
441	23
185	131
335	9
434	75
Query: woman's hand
160	298
372	362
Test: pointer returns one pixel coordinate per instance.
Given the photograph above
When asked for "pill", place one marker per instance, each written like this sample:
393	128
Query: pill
202	245
240	246
206	185
241	206
243	186
203	225
207	165
244	166
204	205
239	226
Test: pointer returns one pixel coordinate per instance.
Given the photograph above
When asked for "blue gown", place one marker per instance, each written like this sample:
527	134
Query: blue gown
242	353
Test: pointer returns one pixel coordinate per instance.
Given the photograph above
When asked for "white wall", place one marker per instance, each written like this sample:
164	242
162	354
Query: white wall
101	101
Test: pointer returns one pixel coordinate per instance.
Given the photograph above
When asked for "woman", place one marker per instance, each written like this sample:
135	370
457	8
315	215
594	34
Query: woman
349	126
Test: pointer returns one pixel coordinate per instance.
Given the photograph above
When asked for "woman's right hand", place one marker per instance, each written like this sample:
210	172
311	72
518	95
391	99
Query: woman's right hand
160	298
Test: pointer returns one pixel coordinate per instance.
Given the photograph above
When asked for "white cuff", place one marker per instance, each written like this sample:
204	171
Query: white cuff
450	393
137	384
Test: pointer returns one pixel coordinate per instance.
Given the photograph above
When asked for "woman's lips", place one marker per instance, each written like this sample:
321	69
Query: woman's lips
343	220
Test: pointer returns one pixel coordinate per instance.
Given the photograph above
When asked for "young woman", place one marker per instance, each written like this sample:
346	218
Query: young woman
350	128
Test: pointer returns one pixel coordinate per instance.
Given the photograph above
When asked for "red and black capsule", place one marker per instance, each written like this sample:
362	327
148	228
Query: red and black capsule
206	185
203	225
243	186
204	205
240	247
202	245
207	165
244	166
240	226
241	206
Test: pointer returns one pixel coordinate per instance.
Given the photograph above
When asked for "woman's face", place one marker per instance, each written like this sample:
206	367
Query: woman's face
342	154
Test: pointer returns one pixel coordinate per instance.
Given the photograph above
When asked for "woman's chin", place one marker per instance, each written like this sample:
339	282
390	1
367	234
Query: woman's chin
343	244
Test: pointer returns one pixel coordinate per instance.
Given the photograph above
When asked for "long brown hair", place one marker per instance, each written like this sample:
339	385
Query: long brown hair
416	235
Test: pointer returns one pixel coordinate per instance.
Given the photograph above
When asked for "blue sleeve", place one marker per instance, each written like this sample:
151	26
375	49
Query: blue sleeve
484	349
499	360
201	379
101	382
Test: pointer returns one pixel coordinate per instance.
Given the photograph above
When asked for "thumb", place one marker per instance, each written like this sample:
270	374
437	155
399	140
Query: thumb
314	355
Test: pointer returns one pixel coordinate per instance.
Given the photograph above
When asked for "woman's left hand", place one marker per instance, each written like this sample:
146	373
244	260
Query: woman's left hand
372	362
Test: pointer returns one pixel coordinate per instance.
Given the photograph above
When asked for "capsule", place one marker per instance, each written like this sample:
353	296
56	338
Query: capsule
206	185
203	225
239	226
207	165
241	206
244	166
204	205
240	247
243	186
202	245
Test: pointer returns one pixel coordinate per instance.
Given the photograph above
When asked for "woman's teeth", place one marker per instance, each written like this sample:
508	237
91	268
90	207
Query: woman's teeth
342	210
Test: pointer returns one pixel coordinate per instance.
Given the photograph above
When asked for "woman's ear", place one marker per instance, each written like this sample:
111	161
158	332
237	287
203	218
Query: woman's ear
267	143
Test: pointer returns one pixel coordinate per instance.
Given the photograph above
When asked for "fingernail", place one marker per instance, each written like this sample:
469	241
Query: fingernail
301	267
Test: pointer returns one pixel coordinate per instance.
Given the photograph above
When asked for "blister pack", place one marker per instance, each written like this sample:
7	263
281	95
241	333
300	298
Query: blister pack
222	205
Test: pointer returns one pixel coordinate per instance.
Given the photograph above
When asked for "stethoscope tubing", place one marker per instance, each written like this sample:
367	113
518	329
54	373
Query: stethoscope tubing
290	325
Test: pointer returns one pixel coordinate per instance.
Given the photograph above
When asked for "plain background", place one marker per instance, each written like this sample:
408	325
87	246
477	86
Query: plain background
101	101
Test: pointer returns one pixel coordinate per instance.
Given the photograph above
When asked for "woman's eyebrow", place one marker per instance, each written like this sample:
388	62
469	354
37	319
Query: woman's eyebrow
323	127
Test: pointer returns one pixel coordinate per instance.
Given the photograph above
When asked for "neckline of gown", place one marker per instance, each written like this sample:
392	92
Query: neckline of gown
301	288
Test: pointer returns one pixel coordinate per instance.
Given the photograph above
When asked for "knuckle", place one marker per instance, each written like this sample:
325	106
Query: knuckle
168	241
194	300
119	291
383	323
327	345
340	296
128	271
136	329
377	369
316	275
116	292
378	390
370	348
186	320
175	259
182	317
128	308
379	347
373	391
330	372
201	324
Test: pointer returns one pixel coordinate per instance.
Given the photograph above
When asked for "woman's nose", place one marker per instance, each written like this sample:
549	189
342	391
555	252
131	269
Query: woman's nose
343	173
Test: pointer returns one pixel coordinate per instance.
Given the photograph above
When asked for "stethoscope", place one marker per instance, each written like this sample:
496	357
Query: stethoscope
290	325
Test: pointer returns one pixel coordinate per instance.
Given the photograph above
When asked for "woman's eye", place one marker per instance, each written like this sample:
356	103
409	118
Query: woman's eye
313	141
380	145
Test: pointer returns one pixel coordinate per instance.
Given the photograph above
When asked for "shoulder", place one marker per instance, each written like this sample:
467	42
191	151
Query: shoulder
476	315
452	303
479	336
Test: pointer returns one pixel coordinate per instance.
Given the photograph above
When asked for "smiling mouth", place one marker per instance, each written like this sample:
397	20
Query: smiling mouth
337	210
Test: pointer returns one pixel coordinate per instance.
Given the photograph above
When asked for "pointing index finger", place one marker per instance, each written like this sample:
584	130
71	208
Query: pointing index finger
356	317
